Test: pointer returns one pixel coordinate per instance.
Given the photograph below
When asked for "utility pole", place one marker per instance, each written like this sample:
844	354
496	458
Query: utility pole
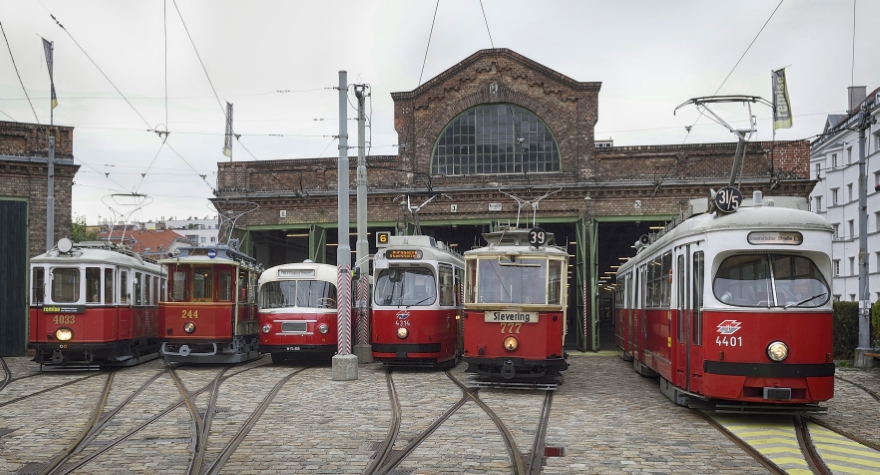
362	350
344	364
861	360
50	198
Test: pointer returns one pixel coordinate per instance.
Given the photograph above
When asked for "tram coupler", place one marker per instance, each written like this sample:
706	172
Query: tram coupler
508	371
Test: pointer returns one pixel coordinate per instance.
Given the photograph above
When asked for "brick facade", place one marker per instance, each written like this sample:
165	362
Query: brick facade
24	149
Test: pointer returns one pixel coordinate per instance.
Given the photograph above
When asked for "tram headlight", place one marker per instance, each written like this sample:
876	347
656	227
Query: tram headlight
267	328
189	327
402	333
777	351
511	343
64	334
323	328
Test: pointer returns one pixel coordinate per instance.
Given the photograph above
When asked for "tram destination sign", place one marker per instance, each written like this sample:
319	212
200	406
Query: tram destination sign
64	309
497	316
296	273
790	238
404	254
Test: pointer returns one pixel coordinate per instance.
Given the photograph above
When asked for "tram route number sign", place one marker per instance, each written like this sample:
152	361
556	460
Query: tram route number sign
728	199
537	237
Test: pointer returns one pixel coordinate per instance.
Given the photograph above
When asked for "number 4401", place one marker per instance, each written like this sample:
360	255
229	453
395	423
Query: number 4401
729	341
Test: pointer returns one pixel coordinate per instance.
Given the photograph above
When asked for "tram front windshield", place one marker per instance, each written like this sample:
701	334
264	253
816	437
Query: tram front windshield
410	286
517	281
298	293
770	280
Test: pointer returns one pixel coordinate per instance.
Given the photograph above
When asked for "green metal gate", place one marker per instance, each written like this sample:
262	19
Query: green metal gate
13	277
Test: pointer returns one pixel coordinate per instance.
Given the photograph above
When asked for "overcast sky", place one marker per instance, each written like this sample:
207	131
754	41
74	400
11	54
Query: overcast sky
277	60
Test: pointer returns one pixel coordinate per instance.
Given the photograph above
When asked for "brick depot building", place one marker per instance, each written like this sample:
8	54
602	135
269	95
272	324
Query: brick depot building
499	121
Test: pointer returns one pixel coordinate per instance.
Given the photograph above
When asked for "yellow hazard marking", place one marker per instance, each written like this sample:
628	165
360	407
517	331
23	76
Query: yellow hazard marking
798	471
843	470
833	447
774	441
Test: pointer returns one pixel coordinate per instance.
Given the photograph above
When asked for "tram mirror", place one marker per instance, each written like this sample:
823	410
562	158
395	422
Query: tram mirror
395	275
356	273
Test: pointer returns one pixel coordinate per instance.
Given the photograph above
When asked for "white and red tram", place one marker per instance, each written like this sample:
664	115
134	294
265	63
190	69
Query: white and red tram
732	307
416	315
94	303
298	310
515	308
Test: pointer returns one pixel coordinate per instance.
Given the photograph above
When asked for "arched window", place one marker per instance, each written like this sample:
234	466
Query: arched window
496	138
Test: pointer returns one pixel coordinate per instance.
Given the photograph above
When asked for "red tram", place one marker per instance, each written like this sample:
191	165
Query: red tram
733	308
416	316
94	303
298	310
515	308
210	313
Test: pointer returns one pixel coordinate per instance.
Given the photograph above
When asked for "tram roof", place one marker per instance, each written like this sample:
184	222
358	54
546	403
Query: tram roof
432	250
300	271
515	241
202	254
97	252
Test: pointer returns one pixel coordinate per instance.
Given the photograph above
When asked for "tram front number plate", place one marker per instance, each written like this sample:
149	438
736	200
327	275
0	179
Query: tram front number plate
496	316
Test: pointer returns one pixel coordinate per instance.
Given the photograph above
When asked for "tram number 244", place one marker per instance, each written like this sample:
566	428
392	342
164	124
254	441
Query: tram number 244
729	341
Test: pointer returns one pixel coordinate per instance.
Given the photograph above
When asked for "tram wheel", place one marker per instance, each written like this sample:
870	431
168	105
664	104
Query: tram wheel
278	358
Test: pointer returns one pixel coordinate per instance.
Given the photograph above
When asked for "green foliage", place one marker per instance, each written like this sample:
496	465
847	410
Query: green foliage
875	321
79	231
846	330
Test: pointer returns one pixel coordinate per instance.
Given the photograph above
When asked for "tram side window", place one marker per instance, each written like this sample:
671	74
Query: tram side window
224	293
658	281
680	298
65	285
178	286
202	280
137	288
38	283
697	296
447	285
124	297
470	281
554	289
148	294
109	296
93	285
156	294
163	283
459	283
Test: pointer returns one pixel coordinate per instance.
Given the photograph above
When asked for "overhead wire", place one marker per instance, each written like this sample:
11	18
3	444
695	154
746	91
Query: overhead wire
17	74
853	68
487	24
219	102
431	33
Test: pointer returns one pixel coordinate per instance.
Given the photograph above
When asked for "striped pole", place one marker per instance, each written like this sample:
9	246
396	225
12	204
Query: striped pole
343	310
363	309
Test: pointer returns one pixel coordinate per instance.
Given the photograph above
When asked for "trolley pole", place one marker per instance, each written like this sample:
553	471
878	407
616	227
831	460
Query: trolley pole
50	198
344	364
861	360
362	349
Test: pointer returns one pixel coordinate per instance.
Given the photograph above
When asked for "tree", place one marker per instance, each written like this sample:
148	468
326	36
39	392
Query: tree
80	232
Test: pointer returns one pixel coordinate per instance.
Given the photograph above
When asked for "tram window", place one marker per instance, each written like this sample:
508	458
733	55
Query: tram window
202	280
162	286
123	287
666	279
156	294
178	286
38	284
224	292
65	285
109	296
447	285
137	288
315	294
410	286
681	299
148	294
459	283
697	296
93	285
502	280
470	281
747	281
554	289
798	282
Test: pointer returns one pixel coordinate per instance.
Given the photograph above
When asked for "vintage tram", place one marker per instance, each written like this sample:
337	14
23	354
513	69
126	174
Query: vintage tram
733	309
94	303
416	314
298	310
515	308
210	311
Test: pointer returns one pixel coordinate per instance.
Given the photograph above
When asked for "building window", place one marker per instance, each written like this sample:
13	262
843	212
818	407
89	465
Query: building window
836	227
818	204
852	229
213	239
849	191
852	266
833	161
877	259
492	139
877	223
818	171
202	240
836	266
849	156
834	196
876	178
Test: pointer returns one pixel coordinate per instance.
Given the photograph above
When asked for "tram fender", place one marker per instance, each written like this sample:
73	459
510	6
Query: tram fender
672	393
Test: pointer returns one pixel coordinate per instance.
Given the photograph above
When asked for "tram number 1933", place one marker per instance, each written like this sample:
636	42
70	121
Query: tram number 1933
729	341
511	327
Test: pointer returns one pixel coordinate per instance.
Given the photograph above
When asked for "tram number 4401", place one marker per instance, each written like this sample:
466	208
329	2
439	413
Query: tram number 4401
729	341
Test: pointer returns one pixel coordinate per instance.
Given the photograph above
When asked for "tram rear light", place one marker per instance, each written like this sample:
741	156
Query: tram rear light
267	328
64	334
829	358
777	351
402	333
189	327
323	328
511	343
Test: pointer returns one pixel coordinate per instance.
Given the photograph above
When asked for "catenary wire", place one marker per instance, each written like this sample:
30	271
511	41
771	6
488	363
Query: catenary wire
429	42
853	68
487	24
17	74
219	102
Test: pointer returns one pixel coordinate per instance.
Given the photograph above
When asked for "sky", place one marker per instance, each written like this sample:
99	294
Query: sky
124	70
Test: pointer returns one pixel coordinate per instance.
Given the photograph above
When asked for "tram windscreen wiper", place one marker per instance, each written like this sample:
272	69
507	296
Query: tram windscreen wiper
795	304
420	301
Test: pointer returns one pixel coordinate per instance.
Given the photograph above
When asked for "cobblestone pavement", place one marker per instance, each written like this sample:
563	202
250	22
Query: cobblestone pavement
606	418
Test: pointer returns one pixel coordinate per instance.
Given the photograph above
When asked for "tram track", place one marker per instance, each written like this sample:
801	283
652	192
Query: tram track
868	390
46	390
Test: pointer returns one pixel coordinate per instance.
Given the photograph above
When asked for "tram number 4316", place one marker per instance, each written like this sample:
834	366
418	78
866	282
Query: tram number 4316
729	341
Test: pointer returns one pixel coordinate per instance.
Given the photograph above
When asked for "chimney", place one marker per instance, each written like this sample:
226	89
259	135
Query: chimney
856	95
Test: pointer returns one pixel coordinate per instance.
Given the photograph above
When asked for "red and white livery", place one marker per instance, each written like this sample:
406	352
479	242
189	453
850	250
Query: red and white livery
416	315
733	308
94	303
298	310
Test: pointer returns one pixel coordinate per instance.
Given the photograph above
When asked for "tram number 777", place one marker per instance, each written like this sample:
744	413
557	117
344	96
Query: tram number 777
509	327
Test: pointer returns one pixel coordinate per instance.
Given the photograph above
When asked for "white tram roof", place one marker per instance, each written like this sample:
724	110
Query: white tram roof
753	218
300	271
515	241
431	250
97	252
202	255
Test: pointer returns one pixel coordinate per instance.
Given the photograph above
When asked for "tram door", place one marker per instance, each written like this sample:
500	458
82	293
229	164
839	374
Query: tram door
697	277
682	318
